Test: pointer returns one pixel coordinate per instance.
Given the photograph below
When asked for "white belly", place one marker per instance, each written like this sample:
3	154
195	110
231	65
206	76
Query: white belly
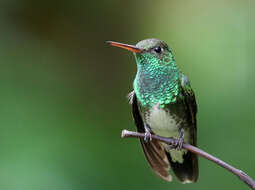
164	124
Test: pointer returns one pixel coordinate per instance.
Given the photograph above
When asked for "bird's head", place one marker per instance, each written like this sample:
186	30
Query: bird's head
149	53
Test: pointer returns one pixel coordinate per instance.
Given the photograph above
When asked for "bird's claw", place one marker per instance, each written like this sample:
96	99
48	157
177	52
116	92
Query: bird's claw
147	136
178	143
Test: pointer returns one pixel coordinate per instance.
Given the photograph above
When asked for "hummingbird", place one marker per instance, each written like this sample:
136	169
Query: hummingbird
163	103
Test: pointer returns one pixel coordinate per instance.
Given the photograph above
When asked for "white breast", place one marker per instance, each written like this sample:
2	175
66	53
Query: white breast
162	122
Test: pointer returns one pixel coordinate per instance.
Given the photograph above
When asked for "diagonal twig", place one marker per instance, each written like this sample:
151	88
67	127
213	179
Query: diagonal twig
171	141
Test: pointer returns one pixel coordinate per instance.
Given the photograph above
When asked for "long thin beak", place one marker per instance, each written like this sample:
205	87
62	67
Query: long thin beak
125	46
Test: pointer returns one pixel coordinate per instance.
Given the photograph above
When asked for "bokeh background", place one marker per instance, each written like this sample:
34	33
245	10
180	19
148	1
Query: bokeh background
63	90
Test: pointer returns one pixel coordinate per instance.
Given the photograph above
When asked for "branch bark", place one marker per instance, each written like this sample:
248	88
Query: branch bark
239	173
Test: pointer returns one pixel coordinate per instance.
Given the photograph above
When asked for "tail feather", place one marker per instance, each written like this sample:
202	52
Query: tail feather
186	172
157	159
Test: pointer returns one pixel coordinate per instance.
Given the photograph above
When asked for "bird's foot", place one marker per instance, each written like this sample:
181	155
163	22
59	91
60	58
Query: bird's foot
147	134
178	142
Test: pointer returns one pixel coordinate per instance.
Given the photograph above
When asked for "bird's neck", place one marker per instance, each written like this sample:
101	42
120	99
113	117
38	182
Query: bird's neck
157	85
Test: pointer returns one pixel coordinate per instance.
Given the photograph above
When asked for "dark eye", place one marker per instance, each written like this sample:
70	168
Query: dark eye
158	49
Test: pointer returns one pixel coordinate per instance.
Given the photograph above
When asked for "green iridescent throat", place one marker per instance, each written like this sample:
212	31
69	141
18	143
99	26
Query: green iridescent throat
157	79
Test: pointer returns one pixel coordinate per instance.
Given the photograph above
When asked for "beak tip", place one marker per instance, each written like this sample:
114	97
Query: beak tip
108	42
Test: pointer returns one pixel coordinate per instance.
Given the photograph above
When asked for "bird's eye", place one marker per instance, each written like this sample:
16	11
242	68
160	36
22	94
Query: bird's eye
158	49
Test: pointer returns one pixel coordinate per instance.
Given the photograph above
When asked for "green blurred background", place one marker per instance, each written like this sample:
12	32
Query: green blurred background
63	90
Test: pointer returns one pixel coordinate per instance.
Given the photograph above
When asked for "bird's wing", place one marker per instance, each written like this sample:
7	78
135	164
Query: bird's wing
153	150
190	100
188	170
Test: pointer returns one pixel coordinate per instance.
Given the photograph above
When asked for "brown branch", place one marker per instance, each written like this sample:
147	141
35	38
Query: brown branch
242	176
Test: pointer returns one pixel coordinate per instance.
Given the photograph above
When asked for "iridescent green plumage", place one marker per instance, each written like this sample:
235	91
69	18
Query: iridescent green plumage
157	78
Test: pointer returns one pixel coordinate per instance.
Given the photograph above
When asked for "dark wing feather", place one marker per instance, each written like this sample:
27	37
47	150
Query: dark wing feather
153	150
190	101
188	170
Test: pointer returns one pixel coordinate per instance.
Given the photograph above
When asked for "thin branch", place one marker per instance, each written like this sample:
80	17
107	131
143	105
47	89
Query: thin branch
242	176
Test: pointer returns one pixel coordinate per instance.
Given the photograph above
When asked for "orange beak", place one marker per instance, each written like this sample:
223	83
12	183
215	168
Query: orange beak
125	46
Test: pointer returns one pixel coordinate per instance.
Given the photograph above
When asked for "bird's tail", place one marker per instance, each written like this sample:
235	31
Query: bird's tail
186	172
